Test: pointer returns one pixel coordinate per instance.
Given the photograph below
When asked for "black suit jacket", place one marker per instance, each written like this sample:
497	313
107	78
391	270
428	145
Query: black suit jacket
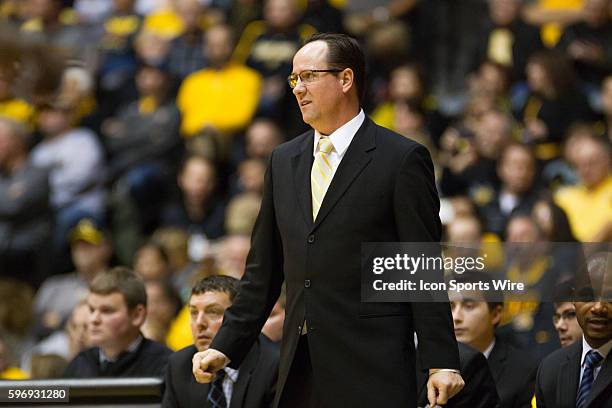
479	390
254	388
362	354
514	373
558	380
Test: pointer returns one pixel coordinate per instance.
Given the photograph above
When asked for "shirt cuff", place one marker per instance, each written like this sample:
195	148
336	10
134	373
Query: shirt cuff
450	370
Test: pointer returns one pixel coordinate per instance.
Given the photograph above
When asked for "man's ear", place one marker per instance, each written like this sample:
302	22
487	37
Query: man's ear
496	315
138	315
347	78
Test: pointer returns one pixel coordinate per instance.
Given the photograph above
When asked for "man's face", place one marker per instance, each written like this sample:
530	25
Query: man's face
110	321
206	315
566	324
516	170
219	46
197	180
474	322
319	99
595	318
77	328
89	258
591	162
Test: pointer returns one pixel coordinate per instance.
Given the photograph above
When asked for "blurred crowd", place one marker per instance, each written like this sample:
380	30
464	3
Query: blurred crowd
137	133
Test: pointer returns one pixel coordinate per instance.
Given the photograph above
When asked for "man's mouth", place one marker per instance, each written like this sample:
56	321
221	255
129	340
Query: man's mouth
304	103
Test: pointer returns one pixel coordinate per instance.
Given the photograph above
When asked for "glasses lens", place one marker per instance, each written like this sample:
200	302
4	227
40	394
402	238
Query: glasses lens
292	80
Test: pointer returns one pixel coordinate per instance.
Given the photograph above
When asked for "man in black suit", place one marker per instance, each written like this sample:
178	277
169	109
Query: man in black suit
476	315
117	303
251	385
345	182
580	375
479	390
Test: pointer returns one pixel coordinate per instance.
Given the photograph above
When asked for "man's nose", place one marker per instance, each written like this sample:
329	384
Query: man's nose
299	87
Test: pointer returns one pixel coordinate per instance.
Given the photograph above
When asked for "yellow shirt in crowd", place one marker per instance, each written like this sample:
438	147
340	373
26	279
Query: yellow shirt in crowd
225	99
18	110
588	211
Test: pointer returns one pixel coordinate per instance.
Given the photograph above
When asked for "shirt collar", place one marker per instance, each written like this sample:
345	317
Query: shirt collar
603	350
131	348
489	349
231	374
341	138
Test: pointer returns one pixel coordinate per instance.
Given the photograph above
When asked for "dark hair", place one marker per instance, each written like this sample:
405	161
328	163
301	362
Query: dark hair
344	52
217	283
123	280
558	68
476	277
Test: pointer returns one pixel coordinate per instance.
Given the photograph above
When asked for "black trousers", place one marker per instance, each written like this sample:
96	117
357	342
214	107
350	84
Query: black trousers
299	390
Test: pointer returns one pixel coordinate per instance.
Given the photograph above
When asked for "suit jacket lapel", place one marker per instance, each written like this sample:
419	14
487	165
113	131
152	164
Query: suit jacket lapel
355	159
603	380
569	376
302	163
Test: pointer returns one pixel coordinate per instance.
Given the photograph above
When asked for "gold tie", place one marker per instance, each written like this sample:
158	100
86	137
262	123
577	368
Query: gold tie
321	174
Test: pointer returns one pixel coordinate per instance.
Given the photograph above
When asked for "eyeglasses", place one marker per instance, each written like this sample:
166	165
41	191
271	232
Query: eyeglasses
567	315
307	76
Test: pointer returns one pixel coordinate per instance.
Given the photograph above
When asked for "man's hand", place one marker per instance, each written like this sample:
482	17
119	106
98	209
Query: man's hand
206	364
442	386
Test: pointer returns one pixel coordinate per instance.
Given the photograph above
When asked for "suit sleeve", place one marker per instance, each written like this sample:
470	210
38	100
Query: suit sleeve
539	395
416	210
260	286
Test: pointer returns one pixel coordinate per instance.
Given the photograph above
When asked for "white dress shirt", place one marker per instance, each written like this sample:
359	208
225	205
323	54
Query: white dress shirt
231	376
341	138
603	350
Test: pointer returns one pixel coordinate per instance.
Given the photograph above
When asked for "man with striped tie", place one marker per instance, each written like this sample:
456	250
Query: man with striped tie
345	182
580	375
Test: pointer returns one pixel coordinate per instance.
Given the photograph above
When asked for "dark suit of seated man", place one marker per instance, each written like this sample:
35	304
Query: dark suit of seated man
475	317
253	384
479	390
117	303
580	375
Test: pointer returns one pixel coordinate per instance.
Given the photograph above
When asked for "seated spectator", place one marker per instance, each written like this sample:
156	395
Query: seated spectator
7	370
24	206
198	210
12	106
577	375
241	214
253	383
231	255
587	43
75	160
143	143
49	24
116	47
224	83
470	163
47	366
492	78
268	46
56	299
260	138
475	319
151	262
551	105
186	54
506	39
66	343
16	318
517	192
250	177
407	85
566	323
552	17
164	305
118	307
592	196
